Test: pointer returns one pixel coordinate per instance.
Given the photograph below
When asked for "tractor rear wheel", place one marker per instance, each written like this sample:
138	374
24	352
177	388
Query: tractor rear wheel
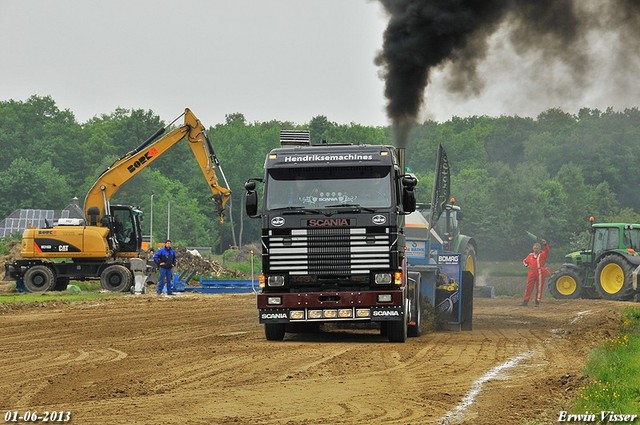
39	279
469	259
565	284
613	278
116	278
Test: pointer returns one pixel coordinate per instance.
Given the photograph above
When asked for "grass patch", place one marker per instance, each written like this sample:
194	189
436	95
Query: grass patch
613	371
87	285
244	268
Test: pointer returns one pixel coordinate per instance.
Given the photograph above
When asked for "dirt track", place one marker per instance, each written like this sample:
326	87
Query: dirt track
202	359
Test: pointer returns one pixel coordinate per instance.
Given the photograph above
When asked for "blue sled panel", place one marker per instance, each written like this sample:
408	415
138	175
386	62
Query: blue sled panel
208	286
216	290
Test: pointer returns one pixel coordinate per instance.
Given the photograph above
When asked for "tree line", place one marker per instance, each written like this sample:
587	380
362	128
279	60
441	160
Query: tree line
510	174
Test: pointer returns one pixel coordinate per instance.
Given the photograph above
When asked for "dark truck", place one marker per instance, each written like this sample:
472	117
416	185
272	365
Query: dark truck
332	237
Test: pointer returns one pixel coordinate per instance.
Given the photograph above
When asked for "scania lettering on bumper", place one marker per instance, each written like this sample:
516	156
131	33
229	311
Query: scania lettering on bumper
372	314
274	316
386	313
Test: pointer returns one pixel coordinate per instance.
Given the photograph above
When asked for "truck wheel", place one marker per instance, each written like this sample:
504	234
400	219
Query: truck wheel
274	331
39	279
397	330
116	278
384	329
565	284
613	277
61	284
415	330
469	262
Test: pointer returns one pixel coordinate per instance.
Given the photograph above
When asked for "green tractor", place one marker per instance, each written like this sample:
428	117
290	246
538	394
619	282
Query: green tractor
605	270
447	236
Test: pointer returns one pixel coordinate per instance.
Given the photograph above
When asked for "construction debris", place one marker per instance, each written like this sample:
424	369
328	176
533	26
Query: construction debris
200	265
14	253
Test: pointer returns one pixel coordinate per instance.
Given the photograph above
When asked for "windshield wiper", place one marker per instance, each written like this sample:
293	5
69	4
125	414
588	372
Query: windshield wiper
355	206
294	209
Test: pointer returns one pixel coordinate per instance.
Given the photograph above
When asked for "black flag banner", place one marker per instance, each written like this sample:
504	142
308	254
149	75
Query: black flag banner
441	186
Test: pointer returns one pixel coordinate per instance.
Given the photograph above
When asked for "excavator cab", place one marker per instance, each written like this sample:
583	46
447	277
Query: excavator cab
125	230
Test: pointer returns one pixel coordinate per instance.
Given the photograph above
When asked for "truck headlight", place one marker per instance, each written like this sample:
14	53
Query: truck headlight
275	281
274	300
382	278
363	312
315	314
330	314
345	313
296	315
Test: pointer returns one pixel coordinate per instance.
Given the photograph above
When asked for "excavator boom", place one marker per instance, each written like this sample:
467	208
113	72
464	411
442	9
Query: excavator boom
96	204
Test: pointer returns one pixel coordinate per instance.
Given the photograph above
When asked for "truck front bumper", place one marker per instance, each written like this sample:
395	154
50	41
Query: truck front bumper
373	306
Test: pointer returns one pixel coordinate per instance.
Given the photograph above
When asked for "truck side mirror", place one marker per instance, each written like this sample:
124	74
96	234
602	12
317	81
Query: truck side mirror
409	194
251	199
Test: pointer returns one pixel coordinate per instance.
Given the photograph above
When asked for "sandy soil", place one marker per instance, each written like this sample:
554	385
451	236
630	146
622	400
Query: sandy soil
202	359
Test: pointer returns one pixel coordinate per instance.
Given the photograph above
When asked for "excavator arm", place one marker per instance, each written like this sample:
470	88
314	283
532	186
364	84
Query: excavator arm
96	204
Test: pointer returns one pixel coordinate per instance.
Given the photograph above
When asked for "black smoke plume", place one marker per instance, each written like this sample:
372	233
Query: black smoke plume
425	34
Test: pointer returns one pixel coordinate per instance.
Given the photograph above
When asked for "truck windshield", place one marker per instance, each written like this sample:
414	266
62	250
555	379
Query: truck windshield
322	187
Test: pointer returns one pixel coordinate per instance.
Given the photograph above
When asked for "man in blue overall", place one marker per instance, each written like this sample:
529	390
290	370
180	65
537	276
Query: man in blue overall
166	259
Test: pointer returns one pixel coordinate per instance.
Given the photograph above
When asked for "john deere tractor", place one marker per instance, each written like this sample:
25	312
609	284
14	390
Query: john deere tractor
605	270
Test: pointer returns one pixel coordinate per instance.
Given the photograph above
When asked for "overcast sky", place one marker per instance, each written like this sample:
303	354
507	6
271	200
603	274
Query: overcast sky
267	59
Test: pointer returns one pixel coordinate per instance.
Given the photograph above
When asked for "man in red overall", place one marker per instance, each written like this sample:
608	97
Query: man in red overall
537	271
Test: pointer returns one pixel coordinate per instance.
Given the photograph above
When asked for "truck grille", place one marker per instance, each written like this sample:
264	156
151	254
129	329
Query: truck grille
330	251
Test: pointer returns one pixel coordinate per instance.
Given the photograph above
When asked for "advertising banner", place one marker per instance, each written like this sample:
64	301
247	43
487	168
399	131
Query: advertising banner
448	288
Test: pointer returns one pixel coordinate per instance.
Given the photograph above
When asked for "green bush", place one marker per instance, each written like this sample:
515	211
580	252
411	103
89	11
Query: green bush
613	371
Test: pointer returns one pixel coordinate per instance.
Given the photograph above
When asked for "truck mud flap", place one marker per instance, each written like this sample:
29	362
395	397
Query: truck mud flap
391	313
274	315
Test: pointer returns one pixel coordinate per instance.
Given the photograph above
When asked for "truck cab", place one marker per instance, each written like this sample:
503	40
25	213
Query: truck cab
332	236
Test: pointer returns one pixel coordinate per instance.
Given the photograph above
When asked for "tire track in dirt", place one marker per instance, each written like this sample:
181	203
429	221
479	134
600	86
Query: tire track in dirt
206	357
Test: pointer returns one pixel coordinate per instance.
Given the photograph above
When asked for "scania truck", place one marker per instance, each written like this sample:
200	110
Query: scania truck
333	247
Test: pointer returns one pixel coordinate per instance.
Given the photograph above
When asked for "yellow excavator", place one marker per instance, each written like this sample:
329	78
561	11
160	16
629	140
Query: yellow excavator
101	246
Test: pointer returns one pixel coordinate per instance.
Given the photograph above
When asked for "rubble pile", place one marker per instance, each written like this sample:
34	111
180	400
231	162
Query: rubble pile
14	254
194	263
